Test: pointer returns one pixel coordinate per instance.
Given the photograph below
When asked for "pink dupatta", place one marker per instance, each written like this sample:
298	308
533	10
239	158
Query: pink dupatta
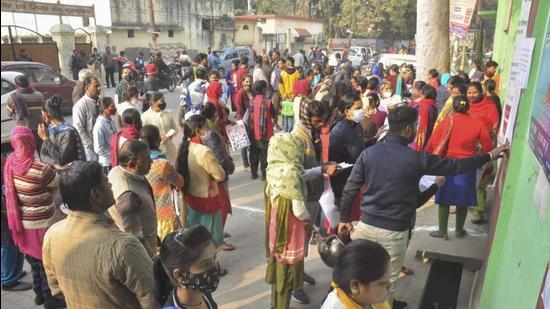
17	163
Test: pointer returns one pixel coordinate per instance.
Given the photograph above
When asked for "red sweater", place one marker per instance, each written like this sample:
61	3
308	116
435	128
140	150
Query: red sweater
241	103
466	134
486	112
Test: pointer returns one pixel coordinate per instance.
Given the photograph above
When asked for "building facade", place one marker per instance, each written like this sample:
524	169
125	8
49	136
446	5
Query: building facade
277	31
181	24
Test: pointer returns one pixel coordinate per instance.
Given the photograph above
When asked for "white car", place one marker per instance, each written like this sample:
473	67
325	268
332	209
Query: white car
8	87
356	59
389	59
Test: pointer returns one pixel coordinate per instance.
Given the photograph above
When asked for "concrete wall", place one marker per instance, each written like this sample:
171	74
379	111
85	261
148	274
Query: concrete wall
243	36
183	16
521	246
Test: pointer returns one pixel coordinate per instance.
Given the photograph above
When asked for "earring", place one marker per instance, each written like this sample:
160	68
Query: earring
355	292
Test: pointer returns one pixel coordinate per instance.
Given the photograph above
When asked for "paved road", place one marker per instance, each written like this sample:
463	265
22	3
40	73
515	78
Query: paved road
244	285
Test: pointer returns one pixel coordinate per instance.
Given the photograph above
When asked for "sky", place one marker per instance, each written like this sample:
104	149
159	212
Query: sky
43	23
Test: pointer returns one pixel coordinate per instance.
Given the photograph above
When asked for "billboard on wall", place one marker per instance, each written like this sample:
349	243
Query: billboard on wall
539	129
461	13
42	8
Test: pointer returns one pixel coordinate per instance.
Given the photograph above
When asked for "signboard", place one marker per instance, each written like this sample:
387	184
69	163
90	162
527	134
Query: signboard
41	8
461	12
539	130
238	136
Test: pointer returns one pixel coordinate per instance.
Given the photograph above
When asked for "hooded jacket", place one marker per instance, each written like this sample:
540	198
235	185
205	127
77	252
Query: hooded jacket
288	78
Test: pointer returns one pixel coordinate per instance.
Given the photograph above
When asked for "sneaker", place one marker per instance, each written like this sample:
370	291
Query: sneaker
399	304
461	233
300	297
17	287
309	279
439	234
254	176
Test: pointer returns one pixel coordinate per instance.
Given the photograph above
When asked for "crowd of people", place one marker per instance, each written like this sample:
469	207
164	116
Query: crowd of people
141	215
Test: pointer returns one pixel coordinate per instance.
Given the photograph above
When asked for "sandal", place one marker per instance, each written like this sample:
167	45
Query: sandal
407	271
222	272
228	247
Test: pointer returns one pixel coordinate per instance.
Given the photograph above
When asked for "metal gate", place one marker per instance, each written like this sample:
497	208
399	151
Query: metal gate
44	52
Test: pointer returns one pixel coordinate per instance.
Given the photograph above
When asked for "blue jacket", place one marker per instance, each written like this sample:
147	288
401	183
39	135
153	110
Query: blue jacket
345	145
391	171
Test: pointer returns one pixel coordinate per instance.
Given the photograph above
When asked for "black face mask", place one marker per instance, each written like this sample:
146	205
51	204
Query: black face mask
206	282
162	106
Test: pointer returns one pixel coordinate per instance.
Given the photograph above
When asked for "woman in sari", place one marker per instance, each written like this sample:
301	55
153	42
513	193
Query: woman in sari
458	136
286	197
30	186
427	114
485	110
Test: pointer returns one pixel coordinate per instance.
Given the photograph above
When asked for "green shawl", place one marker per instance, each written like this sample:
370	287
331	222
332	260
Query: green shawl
285	166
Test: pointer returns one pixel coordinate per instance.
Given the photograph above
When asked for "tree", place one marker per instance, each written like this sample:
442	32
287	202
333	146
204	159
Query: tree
388	19
274	7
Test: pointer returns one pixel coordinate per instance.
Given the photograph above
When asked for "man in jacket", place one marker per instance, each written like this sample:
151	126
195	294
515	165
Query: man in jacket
391	171
112	265
74	64
134	210
109	64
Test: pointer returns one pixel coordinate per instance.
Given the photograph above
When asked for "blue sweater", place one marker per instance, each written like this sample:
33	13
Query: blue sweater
391	171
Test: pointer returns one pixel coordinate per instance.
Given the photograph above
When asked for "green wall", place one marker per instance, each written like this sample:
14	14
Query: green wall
521	244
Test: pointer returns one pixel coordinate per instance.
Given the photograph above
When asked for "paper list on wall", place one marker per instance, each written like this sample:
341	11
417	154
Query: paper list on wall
521	61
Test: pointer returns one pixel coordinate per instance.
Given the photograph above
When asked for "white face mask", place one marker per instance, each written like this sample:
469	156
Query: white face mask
358	115
386	94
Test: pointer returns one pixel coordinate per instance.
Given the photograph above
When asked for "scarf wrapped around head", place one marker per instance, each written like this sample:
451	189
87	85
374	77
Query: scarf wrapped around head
17	163
422	133
129	132
301	88
311	137
285	166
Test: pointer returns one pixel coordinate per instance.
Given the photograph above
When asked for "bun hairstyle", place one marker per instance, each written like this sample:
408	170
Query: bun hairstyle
362	260
52	107
460	104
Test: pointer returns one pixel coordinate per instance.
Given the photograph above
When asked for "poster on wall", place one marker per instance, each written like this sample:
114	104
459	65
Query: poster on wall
461	12
539	129
520	67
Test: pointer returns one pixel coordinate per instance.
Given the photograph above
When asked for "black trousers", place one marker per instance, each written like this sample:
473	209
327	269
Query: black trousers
39	279
110	76
75	75
258	156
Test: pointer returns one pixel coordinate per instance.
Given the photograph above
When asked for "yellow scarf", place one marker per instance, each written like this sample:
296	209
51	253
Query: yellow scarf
351	304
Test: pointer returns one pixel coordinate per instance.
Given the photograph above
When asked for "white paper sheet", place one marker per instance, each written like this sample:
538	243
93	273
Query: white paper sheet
425	182
329	209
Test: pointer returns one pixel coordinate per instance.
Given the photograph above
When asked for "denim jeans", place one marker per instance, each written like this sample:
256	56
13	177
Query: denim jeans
288	123
12	263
